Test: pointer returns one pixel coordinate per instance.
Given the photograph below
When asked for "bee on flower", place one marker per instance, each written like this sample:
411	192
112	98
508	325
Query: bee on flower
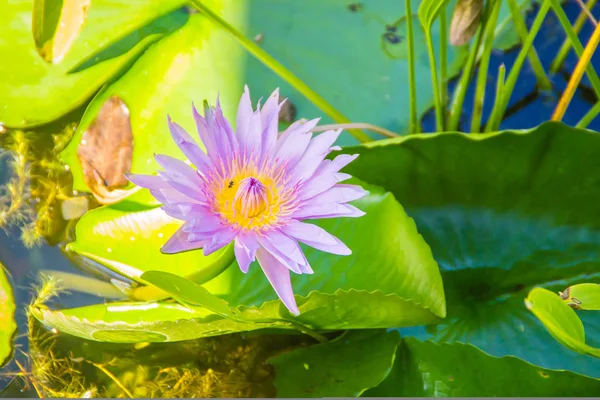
255	188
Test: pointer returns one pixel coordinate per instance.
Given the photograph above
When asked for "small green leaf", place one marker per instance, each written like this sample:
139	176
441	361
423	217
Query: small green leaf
427	369
126	237
56	24
560	320
342	368
585	296
429	11
186	291
8	326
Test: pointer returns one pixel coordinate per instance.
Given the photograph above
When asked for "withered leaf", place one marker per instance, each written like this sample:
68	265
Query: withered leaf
105	151
465	21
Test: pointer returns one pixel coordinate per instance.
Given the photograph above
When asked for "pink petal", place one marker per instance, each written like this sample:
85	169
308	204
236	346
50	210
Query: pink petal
316	152
204	222
225	127
171	195
179	242
270	121
188	146
220	239
316	237
329	210
221	138
206	136
326	176
292	147
279	277
244	114
286	251
245	251
339	194
183	210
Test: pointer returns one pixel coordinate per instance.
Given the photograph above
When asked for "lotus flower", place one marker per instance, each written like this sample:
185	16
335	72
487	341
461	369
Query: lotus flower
255	188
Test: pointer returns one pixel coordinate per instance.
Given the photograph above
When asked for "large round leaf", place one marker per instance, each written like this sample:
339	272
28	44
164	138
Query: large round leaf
502	212
390	280
8	326
33	92
197	62
426	369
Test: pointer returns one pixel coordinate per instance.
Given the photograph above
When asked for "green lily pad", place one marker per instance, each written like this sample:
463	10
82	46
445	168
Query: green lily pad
8	326
560	320
390	280
34	92
197	62
503	213
126	238
427	369
343	368
585	296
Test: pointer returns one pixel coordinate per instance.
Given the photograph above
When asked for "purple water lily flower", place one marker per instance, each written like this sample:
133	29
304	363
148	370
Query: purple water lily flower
255	188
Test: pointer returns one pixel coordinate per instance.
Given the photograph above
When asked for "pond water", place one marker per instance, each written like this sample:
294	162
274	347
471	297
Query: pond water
528	108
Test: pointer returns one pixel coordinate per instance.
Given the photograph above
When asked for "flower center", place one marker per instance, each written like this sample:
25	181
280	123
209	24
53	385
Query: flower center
251	197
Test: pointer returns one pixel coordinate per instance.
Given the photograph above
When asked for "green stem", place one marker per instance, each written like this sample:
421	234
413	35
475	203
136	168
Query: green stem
575	42
589	116
542	79
463	83
439	114
280	70
495	116
444	60
566	46
500	106
482	76
414	125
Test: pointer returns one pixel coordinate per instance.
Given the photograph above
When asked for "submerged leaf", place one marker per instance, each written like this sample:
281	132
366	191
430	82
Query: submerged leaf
8	326
345	367
428	369
105	151
465	21
56	24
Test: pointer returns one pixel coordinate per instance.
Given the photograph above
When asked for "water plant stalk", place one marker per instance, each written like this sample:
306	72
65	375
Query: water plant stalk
582	64
509	85
414	126
461	88
566	46
542	79
280	70
575	42
444	60
439	114
495	116
484	66
589	116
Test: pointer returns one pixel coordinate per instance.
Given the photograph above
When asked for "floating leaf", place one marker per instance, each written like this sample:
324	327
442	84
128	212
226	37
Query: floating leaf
585	296
34	92
342	368
560	320
187	292
503	213
427	369
8	326
389	280
105	151
126	238
56	24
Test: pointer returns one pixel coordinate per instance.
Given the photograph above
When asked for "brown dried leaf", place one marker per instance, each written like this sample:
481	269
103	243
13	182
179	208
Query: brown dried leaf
465	21
105	151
